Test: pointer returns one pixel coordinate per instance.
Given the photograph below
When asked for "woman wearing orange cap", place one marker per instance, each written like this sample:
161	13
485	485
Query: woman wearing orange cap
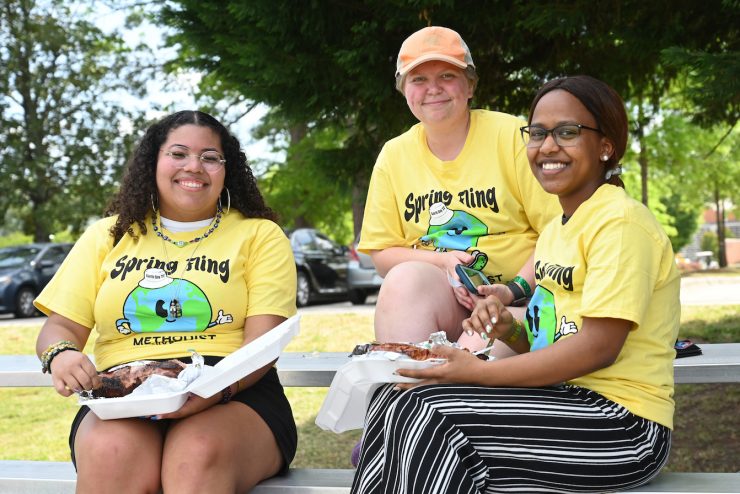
454	189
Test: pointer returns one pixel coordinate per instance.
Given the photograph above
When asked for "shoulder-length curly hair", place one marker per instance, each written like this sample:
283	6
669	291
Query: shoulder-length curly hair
138	192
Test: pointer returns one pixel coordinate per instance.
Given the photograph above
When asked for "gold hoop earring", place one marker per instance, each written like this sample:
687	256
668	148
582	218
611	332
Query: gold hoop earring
154	207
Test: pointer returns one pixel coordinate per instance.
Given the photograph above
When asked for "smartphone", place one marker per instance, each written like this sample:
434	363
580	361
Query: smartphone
471	278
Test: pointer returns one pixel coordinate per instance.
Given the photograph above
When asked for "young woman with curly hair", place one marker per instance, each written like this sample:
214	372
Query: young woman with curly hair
189	257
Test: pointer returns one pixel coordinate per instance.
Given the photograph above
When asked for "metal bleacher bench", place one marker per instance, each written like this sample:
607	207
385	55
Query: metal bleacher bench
719	363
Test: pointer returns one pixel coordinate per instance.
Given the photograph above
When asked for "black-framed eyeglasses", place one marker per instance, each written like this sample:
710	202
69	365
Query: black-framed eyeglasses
211	160
564	135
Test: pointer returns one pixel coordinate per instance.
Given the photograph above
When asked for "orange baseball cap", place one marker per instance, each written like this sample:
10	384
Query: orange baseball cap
433	43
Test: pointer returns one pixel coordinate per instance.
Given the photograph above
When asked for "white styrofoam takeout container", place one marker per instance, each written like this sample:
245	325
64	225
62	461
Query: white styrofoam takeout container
213	379
354	384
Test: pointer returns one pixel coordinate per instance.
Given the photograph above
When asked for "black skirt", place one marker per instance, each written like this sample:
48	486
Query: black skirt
266	397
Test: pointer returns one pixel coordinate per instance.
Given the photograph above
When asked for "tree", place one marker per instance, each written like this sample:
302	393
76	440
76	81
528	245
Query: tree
685	219
63	124
329	65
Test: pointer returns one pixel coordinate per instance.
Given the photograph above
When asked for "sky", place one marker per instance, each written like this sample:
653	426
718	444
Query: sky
181	95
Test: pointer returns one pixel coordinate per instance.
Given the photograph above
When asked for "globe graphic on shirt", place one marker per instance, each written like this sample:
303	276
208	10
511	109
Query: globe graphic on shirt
146	309
453	229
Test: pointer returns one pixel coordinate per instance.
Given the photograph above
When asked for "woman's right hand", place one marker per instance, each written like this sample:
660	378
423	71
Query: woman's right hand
72	372
489	316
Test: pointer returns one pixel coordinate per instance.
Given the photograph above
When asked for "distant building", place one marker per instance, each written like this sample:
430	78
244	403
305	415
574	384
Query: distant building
732	245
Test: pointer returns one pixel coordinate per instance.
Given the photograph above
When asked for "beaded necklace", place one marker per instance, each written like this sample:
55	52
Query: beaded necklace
175	307
183	243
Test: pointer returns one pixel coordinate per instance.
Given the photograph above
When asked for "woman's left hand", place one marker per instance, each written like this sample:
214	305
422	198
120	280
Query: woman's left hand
461	367
465	298
193	405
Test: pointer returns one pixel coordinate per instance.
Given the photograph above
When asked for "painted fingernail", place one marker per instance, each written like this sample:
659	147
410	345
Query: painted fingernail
488	328
396	388
494	319
469	332
484	336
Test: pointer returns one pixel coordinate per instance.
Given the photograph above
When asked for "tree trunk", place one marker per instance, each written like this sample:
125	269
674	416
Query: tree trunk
642	158
359	194
37	224
721	254
297	133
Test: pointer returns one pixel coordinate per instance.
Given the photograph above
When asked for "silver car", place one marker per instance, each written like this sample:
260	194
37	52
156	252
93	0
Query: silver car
362	278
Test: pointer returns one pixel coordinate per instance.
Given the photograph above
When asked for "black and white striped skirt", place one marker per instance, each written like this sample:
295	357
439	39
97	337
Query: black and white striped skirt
471	439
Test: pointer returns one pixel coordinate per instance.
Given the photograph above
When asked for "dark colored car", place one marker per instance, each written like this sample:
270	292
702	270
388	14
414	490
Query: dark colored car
24	271
321	266
363	279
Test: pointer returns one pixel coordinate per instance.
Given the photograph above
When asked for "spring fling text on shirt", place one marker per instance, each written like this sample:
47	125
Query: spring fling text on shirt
124	266
561	275
469	198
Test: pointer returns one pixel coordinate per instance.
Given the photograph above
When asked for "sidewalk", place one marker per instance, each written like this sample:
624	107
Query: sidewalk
710	290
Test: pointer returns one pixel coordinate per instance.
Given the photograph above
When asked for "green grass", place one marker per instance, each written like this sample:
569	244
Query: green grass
705	435
34	422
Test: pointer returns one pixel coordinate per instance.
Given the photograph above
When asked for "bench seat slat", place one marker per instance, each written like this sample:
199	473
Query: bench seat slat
720	363
42	477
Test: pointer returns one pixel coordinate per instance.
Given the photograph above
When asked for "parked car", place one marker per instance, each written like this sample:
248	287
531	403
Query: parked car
363	279
24	271
321	266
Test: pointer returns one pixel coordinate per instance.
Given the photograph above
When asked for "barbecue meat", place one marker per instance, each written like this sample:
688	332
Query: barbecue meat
123	379
412	351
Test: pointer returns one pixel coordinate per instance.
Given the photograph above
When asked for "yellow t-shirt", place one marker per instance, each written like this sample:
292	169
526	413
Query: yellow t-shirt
153	300
486	201
612	259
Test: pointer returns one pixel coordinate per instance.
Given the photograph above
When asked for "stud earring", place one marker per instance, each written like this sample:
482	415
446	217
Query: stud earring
604	157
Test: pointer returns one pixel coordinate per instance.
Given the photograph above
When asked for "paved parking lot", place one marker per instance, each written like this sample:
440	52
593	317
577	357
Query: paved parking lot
695	290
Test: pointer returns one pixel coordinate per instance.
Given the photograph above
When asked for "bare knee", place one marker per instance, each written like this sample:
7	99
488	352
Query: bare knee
403	281
194	458
233	458
415	300
105	457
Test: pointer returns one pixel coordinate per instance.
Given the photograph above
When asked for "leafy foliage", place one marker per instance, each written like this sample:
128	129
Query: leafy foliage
711	82
685	219
329	65
61	113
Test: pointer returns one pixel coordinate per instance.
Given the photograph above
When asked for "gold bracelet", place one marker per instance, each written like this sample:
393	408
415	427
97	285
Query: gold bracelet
515	334
52	351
